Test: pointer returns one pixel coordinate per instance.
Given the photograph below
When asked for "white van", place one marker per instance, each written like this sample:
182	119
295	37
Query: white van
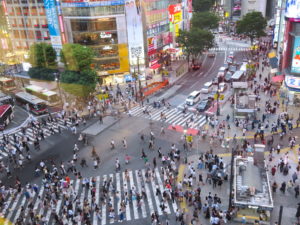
193	98
207	87
221	72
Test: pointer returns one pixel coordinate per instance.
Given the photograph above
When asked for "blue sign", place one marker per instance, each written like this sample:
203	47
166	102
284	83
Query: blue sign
292	9
93	4
53	24
128	78
295	68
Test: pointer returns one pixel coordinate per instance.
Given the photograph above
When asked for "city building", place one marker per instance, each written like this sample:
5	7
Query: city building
127	36
27	23
253	5
290	60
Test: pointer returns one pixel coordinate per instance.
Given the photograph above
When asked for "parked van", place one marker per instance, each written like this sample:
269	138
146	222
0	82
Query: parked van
193	98
207	87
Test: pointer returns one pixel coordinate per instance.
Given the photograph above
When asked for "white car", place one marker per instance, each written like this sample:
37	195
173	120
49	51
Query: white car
222	87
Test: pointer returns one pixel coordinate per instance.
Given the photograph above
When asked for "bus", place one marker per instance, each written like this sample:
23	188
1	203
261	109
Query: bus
31	103
7	84
6	99
50	97
6	115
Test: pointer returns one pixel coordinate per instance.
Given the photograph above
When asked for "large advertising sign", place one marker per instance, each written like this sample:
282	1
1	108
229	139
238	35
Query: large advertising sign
295	68
134	32
292	9
293	82
53	24
175	13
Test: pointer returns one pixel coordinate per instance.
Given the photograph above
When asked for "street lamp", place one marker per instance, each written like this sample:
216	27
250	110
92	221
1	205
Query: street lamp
57	76
186	155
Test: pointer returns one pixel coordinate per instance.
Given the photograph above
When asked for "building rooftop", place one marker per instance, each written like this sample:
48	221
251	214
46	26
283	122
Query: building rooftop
251	184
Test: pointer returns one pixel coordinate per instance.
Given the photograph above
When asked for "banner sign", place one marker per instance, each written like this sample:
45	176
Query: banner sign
53	24
296	56
135	32
190	6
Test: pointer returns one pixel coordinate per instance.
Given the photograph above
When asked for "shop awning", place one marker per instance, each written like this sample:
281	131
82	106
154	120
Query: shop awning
278	79
155	66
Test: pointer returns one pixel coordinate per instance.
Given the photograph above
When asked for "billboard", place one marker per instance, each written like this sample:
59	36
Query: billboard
175	13
53	24
293	82
292	9
87	4
135	32
295	68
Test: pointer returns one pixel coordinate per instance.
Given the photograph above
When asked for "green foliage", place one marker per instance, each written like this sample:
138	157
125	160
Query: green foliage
79	84
202	5
252	25
42	73
42	55
195	41
205	20
76	57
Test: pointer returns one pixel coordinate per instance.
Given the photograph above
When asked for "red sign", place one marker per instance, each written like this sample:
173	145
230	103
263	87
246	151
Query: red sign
190	6
173	9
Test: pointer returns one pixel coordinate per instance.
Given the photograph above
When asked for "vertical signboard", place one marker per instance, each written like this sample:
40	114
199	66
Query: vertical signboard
296	56
134	32
53	24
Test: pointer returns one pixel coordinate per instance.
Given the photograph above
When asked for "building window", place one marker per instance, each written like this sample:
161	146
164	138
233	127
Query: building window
16	34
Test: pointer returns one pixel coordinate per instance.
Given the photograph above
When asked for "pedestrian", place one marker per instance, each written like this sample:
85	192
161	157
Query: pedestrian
83	163
100	119
95	164
297	190
154	162
283	187
124	142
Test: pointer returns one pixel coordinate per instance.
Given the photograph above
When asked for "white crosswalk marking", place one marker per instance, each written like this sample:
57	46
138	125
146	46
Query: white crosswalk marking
126	196
230	49
133	197
103	222
139	188
173	116
122	184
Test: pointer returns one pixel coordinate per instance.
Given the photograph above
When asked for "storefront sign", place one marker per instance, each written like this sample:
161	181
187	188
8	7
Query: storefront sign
105	34
292	9
91	4
173	9
293	82
296	56
53	24
135	32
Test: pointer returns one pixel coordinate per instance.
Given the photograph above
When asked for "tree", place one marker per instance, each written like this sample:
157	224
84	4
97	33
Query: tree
79	84
205	20
42	73
76	57
42	55
195	41
252	25
202	5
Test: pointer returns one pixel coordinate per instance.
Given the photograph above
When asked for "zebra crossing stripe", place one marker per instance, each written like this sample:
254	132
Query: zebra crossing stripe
103	222
186	119
95	219
161	187
38	199
177	119
134	201
157	114
12	208
139	188
111	198
81	201
171	118
125	185
157	201
149	199
135	109
118	195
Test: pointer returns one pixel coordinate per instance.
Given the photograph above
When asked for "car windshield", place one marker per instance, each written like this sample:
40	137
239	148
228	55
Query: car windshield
191	97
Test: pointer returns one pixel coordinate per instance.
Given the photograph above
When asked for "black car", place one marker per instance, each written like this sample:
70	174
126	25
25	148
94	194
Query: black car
203	105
